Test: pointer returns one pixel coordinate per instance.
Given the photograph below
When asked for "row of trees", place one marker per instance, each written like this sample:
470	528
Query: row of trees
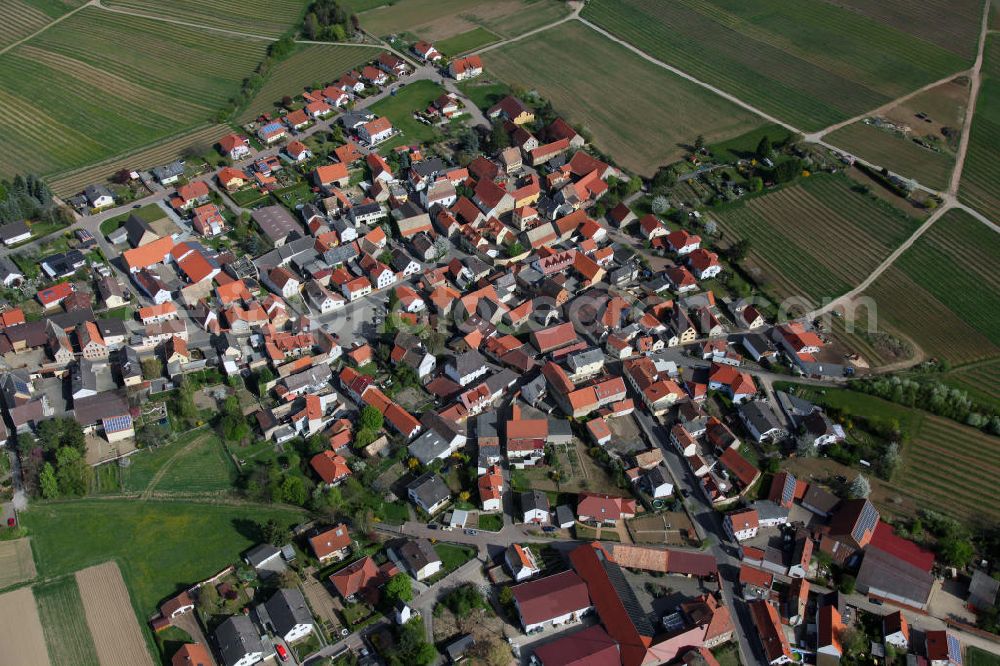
251	85
934	397
26	197
55	465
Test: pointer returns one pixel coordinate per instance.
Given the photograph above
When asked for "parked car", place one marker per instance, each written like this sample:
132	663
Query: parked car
282	652
548	528
432	526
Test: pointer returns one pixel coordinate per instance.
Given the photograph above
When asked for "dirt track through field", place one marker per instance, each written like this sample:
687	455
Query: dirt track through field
113	625
22	642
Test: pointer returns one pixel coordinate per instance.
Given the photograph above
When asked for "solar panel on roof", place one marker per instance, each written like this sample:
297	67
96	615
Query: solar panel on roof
788	491
954	650
866	521
117	423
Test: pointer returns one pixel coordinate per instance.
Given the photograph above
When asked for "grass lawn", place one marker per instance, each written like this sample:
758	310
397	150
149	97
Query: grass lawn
197	462
727	655
125	313
149	213
160	546
977	657
745	145
642	119
248	197
491	522
810	63
164	78
67	636
466	41
293	195
452	556
483	92
399	109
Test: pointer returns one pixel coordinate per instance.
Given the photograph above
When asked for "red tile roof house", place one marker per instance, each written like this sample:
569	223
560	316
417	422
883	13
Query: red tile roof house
739	386
683	243
427	51
330	467
465	68
588	647
234	146
362	577
331	544
375	131
772	638
54	295
551	601
297	119
604	508
742	525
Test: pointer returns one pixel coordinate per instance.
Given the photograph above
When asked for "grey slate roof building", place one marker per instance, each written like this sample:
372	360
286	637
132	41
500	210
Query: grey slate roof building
429	492
284	611
168	171
417	554
277	224
983	590
429	447
760	420
885	575
237	638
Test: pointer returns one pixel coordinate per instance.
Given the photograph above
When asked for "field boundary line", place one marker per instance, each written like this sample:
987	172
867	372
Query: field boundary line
91	3
815	136
684	75
575	14
886	263
970	109
164	19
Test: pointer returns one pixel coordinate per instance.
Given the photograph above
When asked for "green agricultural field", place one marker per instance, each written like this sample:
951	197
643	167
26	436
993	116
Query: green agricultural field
977	657
896	153
160	545
310	65
196	463
416	96
745	145
67	636
980	380
950	24
961	487
268	18
809	63
21	18
466	41
132	81
434	20
642	123
67	183
982	166
944	291
816	239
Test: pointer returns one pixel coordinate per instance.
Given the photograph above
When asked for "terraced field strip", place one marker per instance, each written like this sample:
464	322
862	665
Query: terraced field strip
117	636
831	237
441	19
63	620
260	17
944	291
70	183
16	562
586	88
310	65
22	642
982	381
896	153
963	485
132	81
21	18
951	24
810	63
981	173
